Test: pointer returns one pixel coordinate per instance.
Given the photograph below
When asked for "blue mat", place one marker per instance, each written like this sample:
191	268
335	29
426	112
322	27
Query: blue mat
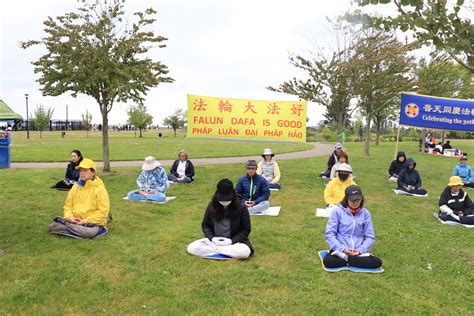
323	254
103	230
218	256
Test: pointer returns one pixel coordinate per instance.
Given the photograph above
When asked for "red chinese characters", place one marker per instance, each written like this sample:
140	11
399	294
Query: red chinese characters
225	106
249	107
296	109
199	105
273	108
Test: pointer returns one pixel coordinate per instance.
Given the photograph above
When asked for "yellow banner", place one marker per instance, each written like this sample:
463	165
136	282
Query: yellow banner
256	119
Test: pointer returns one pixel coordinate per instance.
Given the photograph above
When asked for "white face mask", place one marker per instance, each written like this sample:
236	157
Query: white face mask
225	203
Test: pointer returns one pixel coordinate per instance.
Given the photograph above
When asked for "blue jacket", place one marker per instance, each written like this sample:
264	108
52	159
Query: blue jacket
346	231
465	172
260	189
409	177
154	180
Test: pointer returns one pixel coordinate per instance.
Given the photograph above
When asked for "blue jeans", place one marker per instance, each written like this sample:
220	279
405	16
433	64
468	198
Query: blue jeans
156	197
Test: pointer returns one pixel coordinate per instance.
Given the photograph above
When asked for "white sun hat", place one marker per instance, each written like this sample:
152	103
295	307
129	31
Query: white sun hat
150	163
267	151
344	167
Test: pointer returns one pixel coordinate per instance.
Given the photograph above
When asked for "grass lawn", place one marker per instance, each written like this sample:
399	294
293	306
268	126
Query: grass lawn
124	146
142	266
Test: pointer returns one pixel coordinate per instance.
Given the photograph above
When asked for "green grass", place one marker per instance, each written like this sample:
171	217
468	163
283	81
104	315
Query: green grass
142	266
124	146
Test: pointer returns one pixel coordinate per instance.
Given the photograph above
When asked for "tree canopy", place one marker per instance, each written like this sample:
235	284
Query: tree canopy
139	117
176	120
41	118
96	51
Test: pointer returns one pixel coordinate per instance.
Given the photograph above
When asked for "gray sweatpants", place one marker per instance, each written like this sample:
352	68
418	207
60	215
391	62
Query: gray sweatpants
82	231
259	208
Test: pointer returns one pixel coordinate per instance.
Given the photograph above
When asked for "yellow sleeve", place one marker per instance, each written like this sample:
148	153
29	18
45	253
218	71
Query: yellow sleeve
259	168
68	206
99	216
329	193
276	173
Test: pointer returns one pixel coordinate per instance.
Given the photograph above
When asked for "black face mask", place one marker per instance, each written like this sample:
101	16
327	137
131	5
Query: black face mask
343	176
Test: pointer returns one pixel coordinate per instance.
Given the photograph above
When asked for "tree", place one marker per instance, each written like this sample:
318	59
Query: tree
95	52
445	24
443	79
86	122
328	84
41	118
175	120
138	116
383	67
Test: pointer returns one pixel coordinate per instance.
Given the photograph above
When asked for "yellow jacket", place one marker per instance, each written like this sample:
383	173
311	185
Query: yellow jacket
276	171
335	190
90	202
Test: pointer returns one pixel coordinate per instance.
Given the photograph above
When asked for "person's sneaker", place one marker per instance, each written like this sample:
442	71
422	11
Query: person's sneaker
60	219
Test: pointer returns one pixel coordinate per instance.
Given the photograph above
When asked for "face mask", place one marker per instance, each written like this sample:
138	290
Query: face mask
225	203
343	176
81	183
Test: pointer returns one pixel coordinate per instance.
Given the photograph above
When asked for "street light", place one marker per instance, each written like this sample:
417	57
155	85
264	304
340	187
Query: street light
27	118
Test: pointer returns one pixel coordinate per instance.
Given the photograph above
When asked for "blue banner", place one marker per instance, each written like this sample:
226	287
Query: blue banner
437	113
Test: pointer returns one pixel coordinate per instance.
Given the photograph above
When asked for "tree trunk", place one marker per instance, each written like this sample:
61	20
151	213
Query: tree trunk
367	136
442	137
140	132
135	131
41	133
377	139
340	126
174	132
105	142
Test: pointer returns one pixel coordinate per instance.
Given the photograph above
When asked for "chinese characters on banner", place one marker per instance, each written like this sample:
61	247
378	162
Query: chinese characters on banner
257	119
437	113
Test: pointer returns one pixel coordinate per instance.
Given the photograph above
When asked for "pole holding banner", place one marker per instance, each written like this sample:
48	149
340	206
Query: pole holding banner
396	146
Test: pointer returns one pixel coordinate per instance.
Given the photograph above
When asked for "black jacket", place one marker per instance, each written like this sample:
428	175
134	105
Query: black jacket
333	159
396	166
189	171
239	226
71	172
459	203
409	177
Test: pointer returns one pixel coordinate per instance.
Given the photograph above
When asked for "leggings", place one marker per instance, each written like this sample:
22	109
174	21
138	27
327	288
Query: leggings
370	262
418	191
467	219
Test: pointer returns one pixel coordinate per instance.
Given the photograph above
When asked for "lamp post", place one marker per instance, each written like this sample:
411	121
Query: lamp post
27	118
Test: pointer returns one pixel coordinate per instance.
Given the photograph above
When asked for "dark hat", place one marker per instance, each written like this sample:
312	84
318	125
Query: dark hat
353	192
251	164
463	158
225	190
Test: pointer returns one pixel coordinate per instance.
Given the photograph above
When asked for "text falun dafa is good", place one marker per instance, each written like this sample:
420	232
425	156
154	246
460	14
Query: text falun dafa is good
236	118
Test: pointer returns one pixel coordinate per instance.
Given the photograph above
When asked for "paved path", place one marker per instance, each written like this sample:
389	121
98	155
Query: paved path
317	151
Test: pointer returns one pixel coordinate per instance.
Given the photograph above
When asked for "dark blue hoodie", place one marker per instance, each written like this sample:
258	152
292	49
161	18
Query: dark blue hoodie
409	177
396	166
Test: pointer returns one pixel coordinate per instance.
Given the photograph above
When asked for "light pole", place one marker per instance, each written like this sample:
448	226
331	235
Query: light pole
27	118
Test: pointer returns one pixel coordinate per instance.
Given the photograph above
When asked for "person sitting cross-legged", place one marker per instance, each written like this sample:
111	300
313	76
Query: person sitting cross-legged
409	179
87	205
397	166
182	170
464	171
226	226
350	234
253	190
269	169
455	205
152	182
334	191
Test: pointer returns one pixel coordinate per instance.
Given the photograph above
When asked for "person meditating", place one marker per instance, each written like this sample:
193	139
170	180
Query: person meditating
269	169
455	205
464	171
182	170
253	190
350	234
72	174
87	205
334	191
409	179
226	226
343	158
397	166
152	182
333	159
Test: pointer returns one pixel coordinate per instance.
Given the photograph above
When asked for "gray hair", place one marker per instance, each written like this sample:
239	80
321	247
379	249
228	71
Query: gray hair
183	152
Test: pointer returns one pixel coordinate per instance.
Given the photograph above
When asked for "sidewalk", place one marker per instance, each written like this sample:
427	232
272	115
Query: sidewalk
317	151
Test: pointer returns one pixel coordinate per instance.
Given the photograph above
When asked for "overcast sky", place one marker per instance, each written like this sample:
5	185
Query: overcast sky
217	48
